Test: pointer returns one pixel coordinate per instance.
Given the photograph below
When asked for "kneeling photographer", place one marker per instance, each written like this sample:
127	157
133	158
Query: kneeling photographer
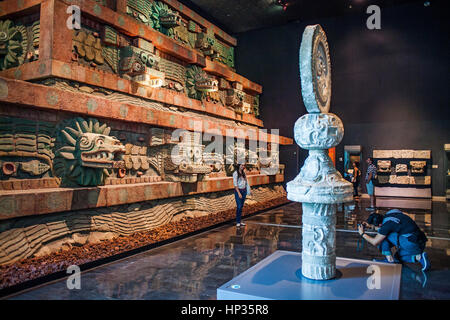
400	231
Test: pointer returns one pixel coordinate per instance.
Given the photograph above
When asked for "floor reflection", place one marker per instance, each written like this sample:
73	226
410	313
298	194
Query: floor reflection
195	267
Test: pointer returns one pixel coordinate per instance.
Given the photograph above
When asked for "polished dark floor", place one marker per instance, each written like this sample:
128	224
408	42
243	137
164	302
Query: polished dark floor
195	267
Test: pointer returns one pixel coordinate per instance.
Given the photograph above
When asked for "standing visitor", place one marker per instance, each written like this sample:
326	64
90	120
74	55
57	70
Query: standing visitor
241	190
371	176
356	178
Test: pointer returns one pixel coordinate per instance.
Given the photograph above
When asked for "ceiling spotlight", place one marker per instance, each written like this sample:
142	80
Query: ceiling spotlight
426	3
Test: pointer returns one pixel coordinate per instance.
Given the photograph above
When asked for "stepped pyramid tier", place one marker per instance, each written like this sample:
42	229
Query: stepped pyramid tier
130	102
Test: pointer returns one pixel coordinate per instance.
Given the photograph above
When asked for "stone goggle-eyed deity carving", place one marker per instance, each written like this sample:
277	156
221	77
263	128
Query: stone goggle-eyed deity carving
318	185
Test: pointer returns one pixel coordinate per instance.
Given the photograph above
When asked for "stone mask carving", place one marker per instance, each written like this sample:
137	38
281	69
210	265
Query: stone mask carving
384	166
418	166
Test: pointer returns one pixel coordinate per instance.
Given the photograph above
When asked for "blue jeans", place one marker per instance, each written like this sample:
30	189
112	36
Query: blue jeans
406	249
369	187
239	203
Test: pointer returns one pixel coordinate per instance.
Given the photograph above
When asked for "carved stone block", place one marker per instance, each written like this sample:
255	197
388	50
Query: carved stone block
420	180
402	179
407	154
418	166
380	154
401	168
384	166
319	237
397	154
422	154
393	179
156	137
383	179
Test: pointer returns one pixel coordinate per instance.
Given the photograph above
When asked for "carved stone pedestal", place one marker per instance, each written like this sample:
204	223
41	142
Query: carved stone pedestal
319	240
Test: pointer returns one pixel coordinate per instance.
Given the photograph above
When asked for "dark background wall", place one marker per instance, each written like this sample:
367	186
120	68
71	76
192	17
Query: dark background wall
390	87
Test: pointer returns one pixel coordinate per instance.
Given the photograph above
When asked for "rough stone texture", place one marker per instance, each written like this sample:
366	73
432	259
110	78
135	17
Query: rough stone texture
23	238
318	186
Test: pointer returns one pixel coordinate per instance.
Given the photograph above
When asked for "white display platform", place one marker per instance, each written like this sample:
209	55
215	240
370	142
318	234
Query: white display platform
405	203
403	192
278	277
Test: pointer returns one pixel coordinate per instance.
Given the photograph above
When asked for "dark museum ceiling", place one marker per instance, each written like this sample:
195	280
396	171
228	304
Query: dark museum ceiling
235	16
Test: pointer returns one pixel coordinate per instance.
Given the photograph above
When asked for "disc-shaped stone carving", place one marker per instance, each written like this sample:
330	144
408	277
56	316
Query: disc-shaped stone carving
315	70
314	131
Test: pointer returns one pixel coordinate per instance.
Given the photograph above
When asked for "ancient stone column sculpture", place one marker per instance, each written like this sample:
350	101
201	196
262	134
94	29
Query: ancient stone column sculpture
319	187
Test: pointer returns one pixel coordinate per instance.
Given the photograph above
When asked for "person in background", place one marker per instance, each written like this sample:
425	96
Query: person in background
241	190
371	175
356	178
400	231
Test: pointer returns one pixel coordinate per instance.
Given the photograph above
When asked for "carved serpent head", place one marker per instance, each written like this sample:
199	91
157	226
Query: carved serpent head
86	152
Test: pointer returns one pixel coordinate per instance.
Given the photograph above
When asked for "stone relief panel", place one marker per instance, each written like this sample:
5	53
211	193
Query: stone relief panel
383	179
418	166
173	24
19	43
407	154
420	180
401	168
397	154
198	82
422	154
403	174
85	152
402	179
45	234
383	166
26	148
393	179
377	154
